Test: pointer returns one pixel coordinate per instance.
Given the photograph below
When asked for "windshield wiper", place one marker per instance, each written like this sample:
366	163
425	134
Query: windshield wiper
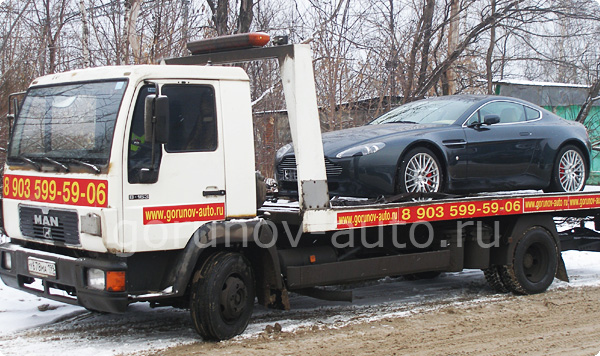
35	165
402	122
56	163
93	167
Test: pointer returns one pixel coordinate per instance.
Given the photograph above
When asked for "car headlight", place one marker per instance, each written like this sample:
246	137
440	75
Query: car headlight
361	150
282	151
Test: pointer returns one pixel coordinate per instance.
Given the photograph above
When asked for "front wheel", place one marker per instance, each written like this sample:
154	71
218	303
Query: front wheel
569	171
222	296
419	172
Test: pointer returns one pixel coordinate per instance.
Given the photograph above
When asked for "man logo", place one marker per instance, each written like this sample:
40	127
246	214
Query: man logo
47	233
45	220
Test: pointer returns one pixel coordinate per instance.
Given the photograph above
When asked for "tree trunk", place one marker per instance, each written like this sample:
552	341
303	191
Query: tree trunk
85	35
219	15
428	10
245	16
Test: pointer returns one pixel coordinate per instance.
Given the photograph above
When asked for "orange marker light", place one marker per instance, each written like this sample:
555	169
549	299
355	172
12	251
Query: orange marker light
313	259
115	281
228	43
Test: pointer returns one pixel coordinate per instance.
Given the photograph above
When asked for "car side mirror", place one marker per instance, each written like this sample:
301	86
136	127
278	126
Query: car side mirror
156	119
491	119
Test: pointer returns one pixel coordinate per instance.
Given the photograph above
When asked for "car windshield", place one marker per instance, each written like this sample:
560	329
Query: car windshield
63	122
428	111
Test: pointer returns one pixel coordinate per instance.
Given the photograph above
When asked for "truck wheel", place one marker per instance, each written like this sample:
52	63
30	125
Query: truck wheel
494	279
534	264
222	296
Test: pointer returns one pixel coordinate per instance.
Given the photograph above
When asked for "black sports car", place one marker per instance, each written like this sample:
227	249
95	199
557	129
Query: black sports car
451	144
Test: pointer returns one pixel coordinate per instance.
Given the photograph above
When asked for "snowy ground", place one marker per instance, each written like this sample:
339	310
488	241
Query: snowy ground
24	329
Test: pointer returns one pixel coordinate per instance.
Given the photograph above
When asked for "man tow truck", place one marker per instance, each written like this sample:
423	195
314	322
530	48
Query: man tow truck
133	184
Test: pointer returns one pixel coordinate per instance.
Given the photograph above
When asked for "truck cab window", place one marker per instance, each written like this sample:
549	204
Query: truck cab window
193	122
140	150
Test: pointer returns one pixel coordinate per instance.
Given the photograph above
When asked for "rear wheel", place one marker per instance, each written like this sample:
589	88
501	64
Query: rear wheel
222	296
534	264
494	279
569	171
419	172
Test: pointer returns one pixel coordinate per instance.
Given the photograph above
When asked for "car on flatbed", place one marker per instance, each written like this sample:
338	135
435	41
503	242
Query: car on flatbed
452	144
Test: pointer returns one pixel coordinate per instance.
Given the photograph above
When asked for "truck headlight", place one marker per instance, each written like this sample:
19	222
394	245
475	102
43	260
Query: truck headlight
361	150
96	279
6	260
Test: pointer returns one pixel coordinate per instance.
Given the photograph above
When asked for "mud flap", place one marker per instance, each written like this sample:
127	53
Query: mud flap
561	271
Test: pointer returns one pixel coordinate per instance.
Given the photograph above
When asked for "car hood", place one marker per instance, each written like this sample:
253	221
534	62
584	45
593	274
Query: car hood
337	141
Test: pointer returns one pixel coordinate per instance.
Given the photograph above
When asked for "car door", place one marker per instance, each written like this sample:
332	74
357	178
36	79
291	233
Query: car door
499	155
190	187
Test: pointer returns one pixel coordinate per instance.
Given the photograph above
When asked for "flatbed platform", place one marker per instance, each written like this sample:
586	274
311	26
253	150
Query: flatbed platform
356	213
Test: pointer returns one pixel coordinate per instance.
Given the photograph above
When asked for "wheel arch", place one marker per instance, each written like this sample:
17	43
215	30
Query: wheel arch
515	231
235	237
432	147
583	148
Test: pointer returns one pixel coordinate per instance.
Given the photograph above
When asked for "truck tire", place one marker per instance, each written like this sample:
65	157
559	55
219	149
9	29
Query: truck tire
534	263
222	296
494	279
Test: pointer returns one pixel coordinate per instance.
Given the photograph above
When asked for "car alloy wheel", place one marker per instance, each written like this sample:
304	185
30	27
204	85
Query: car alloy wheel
571	171
422	174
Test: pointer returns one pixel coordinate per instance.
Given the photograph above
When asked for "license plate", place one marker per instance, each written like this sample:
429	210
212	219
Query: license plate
41	268
290	174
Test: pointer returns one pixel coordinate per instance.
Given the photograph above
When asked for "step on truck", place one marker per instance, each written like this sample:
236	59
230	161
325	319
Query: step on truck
133	184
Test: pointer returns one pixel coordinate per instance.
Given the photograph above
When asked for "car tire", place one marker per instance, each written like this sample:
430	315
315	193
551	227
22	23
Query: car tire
534	263
419	171
569	172
222	296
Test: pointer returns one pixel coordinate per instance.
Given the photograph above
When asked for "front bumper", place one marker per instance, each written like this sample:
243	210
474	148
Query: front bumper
69	285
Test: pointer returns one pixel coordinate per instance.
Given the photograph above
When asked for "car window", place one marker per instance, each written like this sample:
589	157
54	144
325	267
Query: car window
531	113
508	112
427	111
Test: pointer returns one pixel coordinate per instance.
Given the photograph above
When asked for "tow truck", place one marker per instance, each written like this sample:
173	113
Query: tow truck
129	184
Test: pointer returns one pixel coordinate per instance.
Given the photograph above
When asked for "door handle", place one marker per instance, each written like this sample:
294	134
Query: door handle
525	133
207	193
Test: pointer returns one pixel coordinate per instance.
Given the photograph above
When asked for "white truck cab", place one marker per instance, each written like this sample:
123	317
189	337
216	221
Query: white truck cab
79	148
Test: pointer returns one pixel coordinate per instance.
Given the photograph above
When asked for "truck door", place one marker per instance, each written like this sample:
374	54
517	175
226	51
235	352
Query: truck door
162	213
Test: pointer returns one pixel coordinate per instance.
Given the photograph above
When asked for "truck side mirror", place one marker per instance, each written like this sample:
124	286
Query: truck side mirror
491	119
156	119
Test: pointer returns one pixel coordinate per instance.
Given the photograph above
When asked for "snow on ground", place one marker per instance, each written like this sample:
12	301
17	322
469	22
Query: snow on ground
26	330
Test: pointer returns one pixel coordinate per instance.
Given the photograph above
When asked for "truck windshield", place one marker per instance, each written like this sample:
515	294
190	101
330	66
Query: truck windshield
63	123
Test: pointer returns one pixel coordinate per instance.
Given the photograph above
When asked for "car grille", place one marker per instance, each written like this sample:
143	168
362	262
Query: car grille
56	225
286	171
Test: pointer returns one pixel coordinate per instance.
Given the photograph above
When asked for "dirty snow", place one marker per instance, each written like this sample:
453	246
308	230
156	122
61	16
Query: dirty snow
26	330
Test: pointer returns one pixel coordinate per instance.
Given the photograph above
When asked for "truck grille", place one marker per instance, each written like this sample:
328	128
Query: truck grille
286	171
55	225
